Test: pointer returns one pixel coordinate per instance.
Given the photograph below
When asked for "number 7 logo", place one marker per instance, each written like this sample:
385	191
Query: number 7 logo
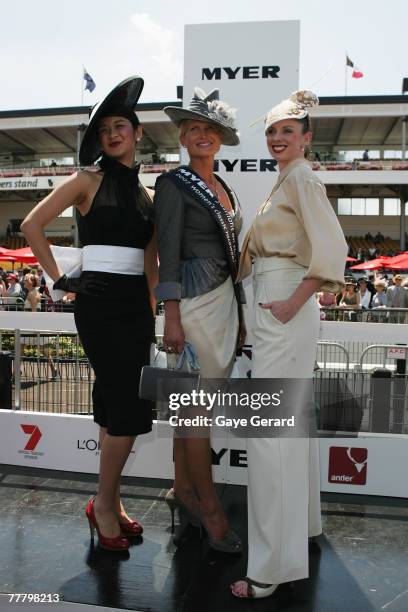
34	438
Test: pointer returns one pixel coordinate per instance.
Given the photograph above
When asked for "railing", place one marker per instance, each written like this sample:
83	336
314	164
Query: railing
17	304
158	168
12	303
360	165
50	372
361	315
361	402
358	386
383	354
68	170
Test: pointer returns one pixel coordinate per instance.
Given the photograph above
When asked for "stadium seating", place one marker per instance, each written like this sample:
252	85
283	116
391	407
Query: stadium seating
385	246
18	242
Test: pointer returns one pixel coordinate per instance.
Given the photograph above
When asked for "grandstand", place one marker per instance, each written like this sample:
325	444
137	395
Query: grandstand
38	149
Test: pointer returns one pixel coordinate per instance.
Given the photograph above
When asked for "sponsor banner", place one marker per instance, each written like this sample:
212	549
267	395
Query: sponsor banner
371	465
348	465
30	182
367	465
70	443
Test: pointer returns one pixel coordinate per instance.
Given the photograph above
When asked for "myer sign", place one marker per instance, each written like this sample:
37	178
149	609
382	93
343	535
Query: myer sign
254	65
246	72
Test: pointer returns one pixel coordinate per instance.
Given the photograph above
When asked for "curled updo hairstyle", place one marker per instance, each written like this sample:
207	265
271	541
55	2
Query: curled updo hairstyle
306	124
306	127
32	278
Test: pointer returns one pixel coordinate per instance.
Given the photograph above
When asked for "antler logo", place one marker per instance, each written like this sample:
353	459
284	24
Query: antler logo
348	465
35	435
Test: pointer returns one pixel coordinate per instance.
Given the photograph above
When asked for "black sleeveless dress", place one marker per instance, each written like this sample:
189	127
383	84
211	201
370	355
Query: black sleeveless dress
116	328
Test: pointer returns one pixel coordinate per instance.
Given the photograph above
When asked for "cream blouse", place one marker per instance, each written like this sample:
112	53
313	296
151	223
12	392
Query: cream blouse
298	221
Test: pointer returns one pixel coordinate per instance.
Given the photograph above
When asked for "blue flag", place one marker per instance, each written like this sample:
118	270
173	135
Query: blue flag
90	83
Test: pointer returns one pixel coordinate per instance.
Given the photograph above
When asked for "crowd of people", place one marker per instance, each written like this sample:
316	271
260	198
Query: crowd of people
26	289
372	293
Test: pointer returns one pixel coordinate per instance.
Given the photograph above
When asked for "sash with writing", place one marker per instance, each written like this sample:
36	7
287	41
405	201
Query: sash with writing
195	186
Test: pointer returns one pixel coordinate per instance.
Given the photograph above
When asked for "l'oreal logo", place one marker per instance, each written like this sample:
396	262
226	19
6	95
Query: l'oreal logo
246	165
244	72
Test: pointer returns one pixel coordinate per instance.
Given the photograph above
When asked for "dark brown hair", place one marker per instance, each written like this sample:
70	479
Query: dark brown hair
306	124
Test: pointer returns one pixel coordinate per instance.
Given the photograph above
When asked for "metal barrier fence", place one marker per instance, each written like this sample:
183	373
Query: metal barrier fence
361	386
358	386
17	304
11	303
361	356
361	402
50	372
361	315
374	315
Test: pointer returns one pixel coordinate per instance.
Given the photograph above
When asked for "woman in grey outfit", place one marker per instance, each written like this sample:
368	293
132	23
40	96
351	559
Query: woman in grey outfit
198	219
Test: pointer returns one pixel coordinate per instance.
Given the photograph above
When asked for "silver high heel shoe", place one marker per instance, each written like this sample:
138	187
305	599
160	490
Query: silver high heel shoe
231	543
174	503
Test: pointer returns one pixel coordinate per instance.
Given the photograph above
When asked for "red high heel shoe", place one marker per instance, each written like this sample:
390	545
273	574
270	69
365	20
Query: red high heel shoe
118	544
131	529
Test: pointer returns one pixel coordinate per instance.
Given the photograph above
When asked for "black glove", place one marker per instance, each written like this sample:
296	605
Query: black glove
67	284
89	284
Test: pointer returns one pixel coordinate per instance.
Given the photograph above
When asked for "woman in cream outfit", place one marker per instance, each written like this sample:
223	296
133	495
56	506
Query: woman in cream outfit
298	248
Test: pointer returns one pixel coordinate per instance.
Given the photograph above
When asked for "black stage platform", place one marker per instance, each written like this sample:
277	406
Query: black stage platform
360	564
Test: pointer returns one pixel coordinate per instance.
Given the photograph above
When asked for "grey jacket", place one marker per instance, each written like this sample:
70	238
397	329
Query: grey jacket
191	253
397	297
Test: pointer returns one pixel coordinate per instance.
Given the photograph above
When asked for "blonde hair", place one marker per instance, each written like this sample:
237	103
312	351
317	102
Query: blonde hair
33	278
183	127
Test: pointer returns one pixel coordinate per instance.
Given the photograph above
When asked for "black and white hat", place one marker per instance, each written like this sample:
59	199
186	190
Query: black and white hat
121	101
209	108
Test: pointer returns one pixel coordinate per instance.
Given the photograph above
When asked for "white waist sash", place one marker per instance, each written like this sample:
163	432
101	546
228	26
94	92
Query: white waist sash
118	260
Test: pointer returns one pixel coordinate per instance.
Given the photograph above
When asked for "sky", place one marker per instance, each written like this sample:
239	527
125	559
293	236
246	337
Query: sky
44	44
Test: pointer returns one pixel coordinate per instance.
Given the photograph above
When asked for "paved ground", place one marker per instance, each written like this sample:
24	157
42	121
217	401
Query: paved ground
359	564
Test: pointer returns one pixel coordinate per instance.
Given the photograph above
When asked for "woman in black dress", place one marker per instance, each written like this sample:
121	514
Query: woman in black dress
113	307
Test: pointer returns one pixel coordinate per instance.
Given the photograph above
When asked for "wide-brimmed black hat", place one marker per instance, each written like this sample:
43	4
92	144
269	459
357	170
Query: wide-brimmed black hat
122	98
209	108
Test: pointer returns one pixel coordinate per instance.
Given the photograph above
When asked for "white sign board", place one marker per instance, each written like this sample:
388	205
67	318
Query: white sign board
70	443
254	65
396	353
368	465
22	183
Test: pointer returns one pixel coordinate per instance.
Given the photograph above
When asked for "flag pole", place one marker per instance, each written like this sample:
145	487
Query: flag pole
82	85
345	77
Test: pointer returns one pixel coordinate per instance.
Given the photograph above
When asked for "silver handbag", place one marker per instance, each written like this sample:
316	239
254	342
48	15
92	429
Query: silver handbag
156	384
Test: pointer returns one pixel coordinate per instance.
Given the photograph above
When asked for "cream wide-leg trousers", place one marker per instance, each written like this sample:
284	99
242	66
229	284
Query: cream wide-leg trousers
283	473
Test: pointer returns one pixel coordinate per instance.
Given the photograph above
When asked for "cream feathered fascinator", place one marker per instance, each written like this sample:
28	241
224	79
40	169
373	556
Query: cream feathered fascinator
295	107
209	108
